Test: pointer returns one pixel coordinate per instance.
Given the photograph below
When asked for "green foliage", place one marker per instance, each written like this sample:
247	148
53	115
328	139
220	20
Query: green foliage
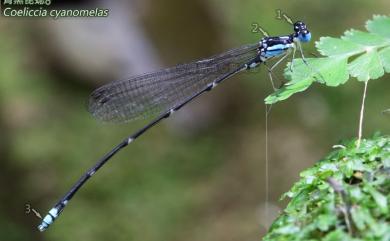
363	55
320	210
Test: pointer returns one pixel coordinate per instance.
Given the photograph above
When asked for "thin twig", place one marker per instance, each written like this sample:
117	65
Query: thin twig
362	115
267	112
338	188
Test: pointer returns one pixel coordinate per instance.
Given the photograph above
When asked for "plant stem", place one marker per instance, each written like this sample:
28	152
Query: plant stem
267	112
362	115
338	188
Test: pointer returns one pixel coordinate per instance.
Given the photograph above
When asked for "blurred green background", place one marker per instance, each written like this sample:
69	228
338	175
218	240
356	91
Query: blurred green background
199	175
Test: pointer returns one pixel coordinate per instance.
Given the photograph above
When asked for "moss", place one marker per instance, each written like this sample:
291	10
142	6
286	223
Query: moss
345	196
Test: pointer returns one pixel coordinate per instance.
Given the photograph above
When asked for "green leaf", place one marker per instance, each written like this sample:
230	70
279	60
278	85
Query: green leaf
287	91
301	71
379	25
339	62
379	198
384	55
325	221
364	39
361	218
336	235
331	71
367	66
348	169
356	194
386	163
329	46
291	229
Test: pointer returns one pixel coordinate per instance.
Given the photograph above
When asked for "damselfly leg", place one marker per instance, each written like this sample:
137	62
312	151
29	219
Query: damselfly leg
292	59
304	60
270	69
303	56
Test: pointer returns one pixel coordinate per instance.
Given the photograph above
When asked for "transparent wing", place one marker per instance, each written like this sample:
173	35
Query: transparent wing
156	92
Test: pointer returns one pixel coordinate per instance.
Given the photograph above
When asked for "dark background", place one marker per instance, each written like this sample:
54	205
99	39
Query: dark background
199	175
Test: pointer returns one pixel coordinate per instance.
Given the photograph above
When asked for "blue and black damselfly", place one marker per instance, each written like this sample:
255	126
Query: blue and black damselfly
165	91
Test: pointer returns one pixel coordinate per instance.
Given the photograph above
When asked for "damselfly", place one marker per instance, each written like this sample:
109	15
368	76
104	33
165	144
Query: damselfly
165	91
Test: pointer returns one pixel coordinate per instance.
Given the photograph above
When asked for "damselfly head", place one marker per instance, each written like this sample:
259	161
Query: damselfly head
301	31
